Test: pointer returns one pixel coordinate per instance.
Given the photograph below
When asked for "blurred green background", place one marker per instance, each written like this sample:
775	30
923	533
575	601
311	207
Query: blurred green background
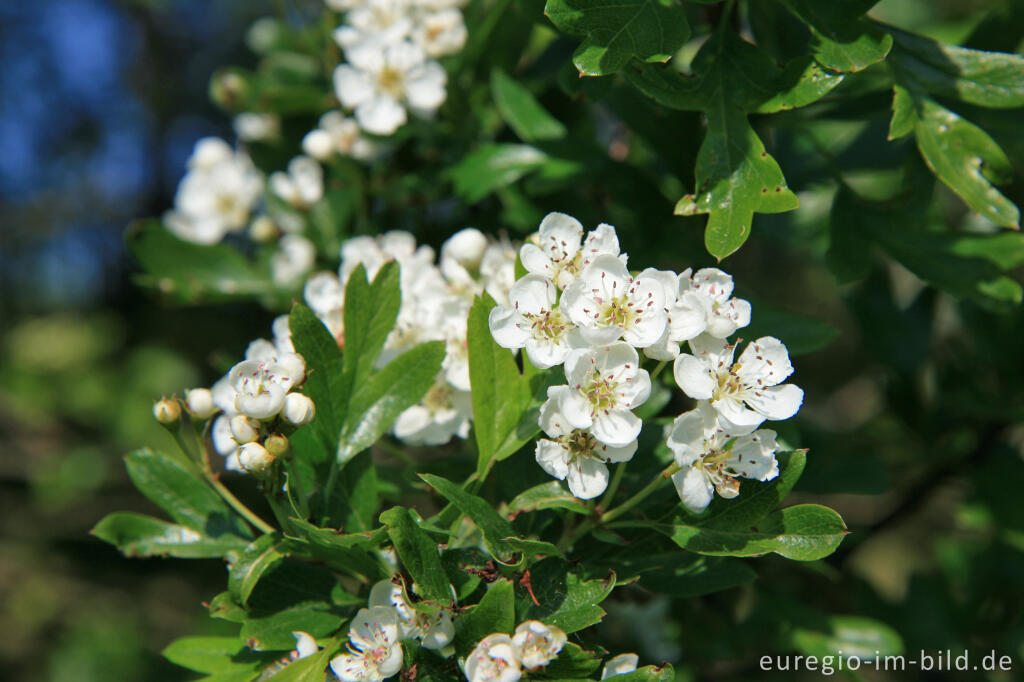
913	413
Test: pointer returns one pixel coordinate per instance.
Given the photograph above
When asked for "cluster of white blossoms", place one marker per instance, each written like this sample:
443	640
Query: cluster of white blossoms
501	658
376	633
250	400
436	298
217	194
580	307
391	48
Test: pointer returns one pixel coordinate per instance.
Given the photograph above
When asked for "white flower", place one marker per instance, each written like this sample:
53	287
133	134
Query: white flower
440	33
383	22
747	392
686	313
325	296
224	442
558	253
338	134
533	321
620	665
461	256
253	457
714	452
294	259
261	385
435	631
282	335
305	645
217	194
303	184
574	455
538	643
498	270
253	127
380	82
604	385
444	412
298	409
200	403
724	315
495	659
375	651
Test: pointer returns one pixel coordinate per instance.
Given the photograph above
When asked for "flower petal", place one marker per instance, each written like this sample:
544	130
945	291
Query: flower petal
694	376
694	489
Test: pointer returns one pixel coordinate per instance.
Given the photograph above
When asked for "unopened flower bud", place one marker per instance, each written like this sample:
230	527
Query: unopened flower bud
167	412
200	403
263	229
318	144
298	409
254	457
276	444
244	429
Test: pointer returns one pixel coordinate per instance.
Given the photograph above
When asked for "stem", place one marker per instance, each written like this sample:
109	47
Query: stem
237	505
613	486
657	370
613	514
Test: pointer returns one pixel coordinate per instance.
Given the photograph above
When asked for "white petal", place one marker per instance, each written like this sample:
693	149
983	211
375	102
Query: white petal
764	362
544	353
352	86
560	235
616	427
620	665
694	489
508	328
635	393
535	260
694	377
688	316
425	87
587	478
776	402
616	454
553	458
380	115
734	411
551	419
713	283
576	410
753	455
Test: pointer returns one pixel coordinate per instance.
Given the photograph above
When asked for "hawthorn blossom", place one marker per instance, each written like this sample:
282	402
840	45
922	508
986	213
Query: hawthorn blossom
538	643
296	257
495	659
435	631
713	453
606	303
534	321
745	392
302	185
338	134
217	194
724	314
200	403
622	664
604	385
498	270
254	126
444	412
380	82
575	455
305	645
261	385
441	32
385	22
460	260
325	296
685	313
375	650
558	253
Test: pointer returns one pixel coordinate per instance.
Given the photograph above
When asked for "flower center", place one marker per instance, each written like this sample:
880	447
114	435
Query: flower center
391	81
438	397
600	391
548	324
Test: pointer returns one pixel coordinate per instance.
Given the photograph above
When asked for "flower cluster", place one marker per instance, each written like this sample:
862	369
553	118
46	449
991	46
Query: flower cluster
376	633
253	399
217	194
580	307
391	48
501	658
436	298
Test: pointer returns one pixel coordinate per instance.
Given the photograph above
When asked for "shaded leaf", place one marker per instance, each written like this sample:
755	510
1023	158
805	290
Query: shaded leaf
252	563
274	632
140	535
418	554
566	600
550	495
210	654
521	110
840	38
857	636
494	613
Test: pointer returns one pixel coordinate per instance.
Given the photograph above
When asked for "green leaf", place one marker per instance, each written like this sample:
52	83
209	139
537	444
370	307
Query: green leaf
550	495
309	669
494	526
959	153
756	499
572	662
521	110
274	632
177	488
189	272
841	39
370	314
324	377
800	83
493	166
210	654
224	607
806	532
566	600
252	563
139	535
504	404
378	401
988	79
350	552
494	613
735	176
418	554
649	673
616	31
854	636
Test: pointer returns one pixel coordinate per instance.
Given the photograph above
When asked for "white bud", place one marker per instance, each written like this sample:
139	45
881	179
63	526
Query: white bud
167	411
318	144
538	643
495	659
200	403
244	429
263	229
622	664
298	409
254	457
276	444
